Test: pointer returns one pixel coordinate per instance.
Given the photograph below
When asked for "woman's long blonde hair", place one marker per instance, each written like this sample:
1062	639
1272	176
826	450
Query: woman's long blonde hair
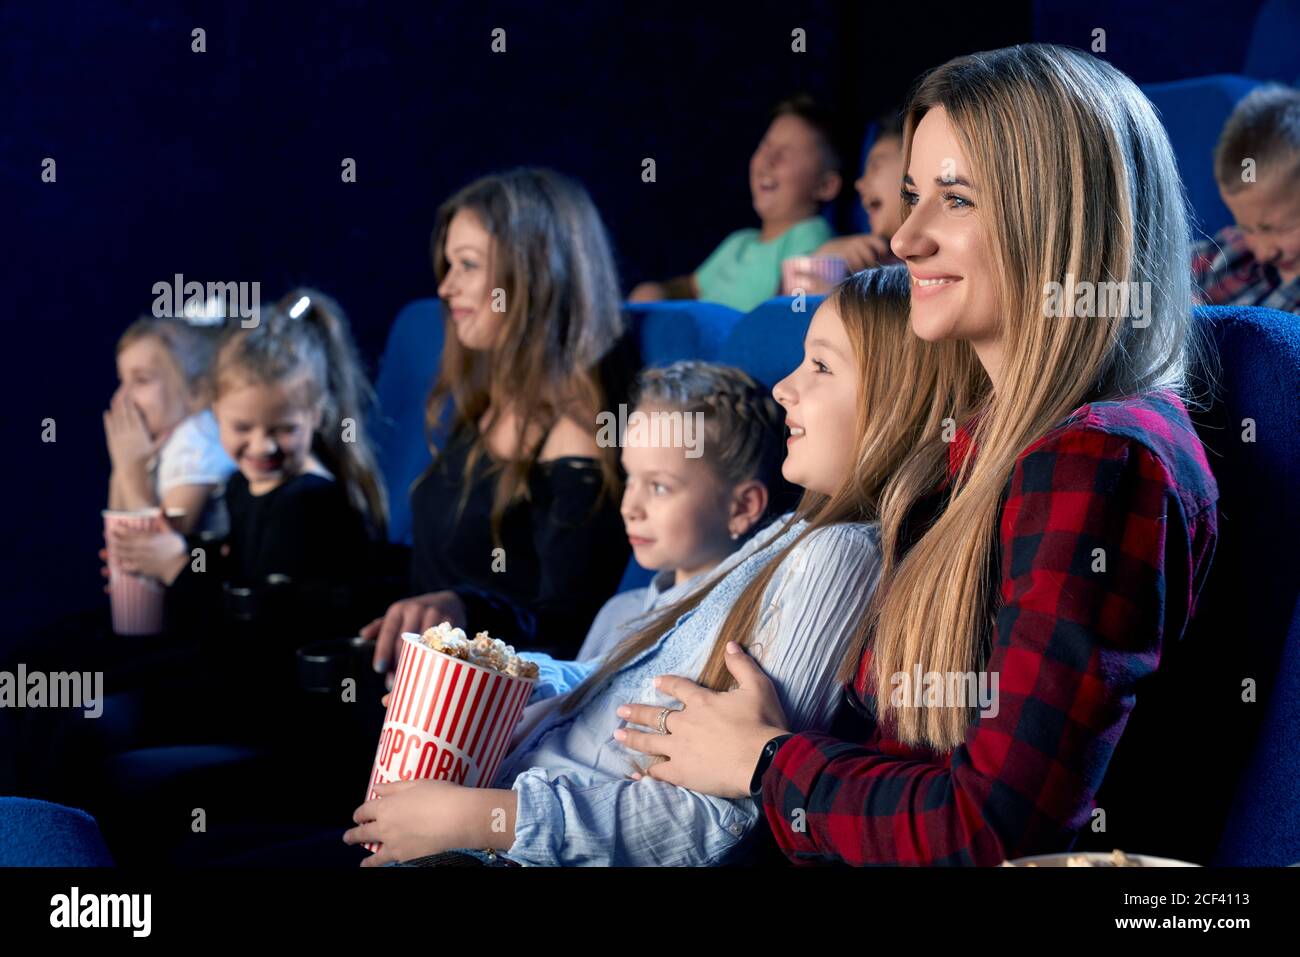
1076	177
907	388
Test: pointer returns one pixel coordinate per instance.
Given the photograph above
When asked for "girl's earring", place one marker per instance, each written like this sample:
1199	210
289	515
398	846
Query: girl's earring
735	535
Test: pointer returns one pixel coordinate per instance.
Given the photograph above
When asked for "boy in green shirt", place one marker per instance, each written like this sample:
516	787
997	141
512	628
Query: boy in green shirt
792	173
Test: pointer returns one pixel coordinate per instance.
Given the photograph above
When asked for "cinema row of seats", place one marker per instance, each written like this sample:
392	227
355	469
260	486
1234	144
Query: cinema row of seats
1230	766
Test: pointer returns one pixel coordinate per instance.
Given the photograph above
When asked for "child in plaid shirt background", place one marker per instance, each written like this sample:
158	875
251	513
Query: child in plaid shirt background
1256	262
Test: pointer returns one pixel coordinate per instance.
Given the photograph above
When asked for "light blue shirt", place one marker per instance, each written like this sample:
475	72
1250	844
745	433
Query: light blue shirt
576	803
626	611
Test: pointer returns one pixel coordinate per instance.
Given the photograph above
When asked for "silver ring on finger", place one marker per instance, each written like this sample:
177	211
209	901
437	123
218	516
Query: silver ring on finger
663	719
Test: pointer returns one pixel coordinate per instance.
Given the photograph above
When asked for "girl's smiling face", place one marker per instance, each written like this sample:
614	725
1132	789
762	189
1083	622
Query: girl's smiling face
153	384
266	432
466	287
945	244
820	399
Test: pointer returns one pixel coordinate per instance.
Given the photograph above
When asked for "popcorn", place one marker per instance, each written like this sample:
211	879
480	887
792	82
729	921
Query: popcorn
522	668
484	650
448	640
489	652
1115	858
453	710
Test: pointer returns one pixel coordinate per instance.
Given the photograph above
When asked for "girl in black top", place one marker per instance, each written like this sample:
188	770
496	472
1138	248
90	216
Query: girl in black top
304	505
517	529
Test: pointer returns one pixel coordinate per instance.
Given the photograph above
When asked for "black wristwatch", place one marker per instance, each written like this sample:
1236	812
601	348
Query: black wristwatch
764	762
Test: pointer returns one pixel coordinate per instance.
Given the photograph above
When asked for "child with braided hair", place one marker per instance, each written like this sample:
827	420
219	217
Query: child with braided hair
686	509
863	396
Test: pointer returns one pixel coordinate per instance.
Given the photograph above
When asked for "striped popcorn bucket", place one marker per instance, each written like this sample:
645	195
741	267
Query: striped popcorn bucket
798	272
447	720
137	600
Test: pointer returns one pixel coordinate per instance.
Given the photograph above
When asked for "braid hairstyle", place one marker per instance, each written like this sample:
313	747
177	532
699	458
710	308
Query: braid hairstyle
743	424
908	388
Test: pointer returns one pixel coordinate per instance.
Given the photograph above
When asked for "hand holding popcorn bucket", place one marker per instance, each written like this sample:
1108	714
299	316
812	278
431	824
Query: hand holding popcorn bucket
452	710
137	600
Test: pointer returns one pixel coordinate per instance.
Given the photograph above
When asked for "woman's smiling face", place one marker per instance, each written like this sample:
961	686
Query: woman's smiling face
945	243
467	285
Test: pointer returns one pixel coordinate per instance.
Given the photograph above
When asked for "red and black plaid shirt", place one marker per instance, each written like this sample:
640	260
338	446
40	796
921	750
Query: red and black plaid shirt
1069	645
1226	273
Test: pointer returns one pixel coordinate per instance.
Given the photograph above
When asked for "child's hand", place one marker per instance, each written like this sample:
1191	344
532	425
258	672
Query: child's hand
160	555
130	446
105	570
860	251
646	292
415	818
811	283
412	614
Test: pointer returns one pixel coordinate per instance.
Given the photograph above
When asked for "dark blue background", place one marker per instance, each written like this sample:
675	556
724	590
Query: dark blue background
226	165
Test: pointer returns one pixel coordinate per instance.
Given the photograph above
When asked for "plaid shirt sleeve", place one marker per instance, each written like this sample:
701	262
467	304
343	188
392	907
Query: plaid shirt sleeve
1069	646
1226	273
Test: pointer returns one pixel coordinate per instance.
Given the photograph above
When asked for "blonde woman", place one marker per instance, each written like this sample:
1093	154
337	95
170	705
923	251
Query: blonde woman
865	393
1081	515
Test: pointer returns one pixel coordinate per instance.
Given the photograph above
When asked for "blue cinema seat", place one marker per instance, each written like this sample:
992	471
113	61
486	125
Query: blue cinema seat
768	342
683	329
1247	626
406	373
1182	763
1274	42
1264	821
40	834
1194	112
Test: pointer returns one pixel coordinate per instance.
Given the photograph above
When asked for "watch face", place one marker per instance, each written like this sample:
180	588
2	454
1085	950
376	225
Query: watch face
764	762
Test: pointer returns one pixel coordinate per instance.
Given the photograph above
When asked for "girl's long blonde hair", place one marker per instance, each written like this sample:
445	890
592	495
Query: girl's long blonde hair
907	388
1076	177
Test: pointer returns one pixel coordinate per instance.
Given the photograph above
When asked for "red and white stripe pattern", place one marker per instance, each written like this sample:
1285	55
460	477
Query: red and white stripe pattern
137	600
447	720
796	271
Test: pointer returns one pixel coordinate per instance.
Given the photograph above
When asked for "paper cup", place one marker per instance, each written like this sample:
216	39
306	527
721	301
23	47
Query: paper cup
797	271
447	720
137	600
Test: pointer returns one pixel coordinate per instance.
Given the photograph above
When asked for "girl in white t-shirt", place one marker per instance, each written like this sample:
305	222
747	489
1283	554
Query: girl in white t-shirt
162	438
